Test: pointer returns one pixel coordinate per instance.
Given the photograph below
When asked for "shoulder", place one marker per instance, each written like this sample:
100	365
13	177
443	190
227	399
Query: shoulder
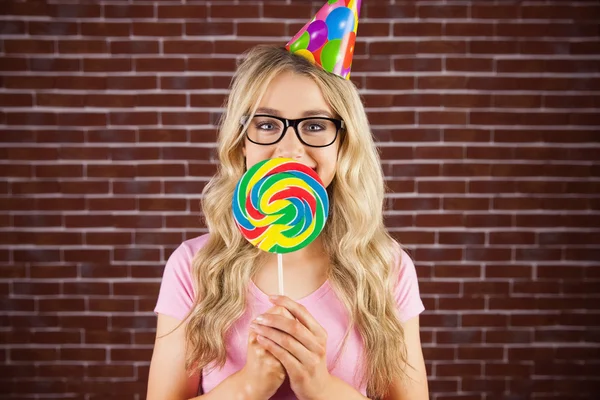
403	272
180	261
191	246
178	289
183	254
406	285
403	262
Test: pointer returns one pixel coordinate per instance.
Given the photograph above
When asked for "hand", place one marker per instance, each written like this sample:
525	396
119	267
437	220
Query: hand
263	373
300	345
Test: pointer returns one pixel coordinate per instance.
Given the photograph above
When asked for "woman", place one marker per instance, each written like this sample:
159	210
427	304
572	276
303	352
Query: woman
349	325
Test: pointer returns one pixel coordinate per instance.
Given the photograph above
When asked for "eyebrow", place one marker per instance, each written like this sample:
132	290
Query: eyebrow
308	113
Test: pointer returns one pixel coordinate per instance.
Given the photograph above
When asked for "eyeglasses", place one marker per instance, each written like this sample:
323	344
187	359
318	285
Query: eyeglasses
312	131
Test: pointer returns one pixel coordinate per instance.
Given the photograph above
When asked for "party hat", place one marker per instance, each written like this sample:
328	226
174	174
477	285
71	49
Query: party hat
328	39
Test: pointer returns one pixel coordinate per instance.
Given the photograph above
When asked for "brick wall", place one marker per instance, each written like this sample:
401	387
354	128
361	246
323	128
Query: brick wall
487	117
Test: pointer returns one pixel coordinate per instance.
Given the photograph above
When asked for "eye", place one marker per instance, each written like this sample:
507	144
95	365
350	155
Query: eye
266	126
315	127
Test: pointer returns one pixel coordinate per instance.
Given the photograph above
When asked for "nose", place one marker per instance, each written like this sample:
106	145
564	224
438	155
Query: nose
289	146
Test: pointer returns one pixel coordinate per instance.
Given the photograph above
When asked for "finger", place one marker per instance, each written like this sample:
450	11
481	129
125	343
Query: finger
280	310
300	312
287	342
251	337
294	328
289	362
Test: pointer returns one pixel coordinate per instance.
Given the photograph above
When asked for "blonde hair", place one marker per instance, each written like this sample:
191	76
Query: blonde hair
362	254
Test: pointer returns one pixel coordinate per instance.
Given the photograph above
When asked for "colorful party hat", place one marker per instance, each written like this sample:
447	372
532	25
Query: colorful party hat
328	39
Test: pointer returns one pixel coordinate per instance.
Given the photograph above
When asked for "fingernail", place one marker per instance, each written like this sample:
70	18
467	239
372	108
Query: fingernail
273	297
259	318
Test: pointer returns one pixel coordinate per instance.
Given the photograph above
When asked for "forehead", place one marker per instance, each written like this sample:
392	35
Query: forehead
293	95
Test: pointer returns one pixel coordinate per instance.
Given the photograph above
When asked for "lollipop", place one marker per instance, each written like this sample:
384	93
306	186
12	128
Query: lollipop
280	206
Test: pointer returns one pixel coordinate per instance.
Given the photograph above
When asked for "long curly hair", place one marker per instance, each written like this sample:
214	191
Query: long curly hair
362	254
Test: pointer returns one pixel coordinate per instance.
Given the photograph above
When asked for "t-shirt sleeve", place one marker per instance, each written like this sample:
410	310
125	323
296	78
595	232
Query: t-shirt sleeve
406	291
176	295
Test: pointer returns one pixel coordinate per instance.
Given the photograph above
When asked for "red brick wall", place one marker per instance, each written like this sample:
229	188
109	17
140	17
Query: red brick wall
487	117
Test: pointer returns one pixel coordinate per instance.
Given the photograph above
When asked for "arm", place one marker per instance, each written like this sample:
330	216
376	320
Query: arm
414	387
167	378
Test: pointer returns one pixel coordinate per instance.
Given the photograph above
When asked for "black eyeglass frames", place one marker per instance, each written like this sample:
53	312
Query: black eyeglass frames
266	129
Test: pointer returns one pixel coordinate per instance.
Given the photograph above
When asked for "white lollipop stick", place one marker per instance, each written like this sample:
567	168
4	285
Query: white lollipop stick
280	273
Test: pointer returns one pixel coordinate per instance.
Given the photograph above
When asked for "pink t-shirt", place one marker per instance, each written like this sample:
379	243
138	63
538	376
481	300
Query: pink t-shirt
177	294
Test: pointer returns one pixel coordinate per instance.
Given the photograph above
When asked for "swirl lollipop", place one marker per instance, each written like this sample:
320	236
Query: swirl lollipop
280	206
